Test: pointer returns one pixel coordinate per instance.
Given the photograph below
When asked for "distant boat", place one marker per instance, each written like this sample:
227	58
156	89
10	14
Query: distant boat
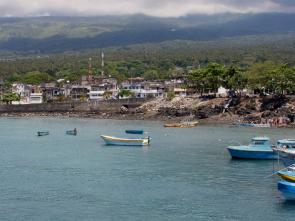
286	150
182	124
287	189
72	132
261	125
251	125
109	140
134	131
42	133
259	148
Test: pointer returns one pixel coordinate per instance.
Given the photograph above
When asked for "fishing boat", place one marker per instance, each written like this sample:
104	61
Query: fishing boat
42	133
286	151
287	189
182	124
109	140
259	148
134	131
288	175
72	132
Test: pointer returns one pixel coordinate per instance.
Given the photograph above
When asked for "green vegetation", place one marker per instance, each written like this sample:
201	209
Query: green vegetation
266	77
9	97
125	93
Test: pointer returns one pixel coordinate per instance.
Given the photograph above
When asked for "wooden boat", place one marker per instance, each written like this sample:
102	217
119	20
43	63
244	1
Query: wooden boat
134	131
72	132
182	124
109	140
42	133
287	189
286	151
287	175
259	148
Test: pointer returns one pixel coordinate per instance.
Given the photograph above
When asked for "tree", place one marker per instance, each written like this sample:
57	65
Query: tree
125	93
37	77
9	97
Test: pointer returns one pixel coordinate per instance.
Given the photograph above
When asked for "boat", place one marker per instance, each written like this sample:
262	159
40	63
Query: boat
110	140
134	131
42	133
250	125
72	132
288	175
261	125
182	124
259	148
287	189
286	151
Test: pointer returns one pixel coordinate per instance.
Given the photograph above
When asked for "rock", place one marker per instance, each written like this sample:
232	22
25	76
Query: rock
123	110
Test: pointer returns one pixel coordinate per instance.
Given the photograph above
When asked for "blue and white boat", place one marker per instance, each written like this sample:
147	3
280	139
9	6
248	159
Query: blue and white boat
134	131
286	150
109	140
259	148
287	189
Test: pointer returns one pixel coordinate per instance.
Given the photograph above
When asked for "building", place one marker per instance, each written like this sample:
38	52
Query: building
36	98
79	92
143	89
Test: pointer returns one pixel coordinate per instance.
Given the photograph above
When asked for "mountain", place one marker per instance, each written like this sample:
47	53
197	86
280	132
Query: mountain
61	34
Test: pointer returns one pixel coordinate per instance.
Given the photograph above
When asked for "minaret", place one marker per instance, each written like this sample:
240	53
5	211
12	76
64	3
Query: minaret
102	63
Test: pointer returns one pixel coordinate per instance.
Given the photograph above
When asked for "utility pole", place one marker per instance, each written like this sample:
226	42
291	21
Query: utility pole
102	63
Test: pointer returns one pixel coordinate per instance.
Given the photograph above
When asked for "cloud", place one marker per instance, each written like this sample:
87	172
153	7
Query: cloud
150	7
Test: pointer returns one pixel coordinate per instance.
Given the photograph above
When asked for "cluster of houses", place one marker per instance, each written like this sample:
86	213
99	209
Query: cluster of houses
96	88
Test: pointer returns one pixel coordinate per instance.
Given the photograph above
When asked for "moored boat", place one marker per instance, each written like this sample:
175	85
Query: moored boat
72	132
286	151
261	125
287	175
42	133
287	189
134	131
109	140
259	148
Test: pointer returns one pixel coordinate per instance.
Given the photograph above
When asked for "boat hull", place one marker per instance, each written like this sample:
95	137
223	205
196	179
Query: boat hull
252	154
70	132
286	175
40	134
287	189
125	142
134	131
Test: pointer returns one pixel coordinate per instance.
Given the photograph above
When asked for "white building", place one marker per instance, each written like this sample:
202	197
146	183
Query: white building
96	95
36	98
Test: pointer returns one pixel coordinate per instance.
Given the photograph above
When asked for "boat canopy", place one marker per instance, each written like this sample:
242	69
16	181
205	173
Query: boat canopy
287	143
260	141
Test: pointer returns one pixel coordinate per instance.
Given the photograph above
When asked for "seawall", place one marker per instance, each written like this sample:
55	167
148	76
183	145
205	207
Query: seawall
112	106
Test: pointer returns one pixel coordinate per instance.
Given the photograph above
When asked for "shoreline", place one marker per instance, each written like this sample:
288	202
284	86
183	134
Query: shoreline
126	117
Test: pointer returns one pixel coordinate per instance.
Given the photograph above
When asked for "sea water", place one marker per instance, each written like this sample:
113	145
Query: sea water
185	174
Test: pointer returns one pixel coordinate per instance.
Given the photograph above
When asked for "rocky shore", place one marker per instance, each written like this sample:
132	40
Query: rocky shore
216	110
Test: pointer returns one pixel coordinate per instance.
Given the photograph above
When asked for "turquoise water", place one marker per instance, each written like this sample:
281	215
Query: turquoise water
186	174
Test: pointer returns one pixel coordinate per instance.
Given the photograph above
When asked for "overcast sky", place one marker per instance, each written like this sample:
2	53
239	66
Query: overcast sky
161	8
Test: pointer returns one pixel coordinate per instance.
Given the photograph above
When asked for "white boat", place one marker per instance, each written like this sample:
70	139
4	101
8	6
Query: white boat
286	151
261	125
109	140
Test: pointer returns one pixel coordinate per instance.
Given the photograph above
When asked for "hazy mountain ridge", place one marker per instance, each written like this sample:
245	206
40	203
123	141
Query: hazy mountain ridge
59	34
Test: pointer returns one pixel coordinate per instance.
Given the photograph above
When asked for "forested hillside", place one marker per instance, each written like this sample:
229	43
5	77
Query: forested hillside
59	34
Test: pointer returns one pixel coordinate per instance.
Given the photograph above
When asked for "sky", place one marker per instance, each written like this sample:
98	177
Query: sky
161	8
